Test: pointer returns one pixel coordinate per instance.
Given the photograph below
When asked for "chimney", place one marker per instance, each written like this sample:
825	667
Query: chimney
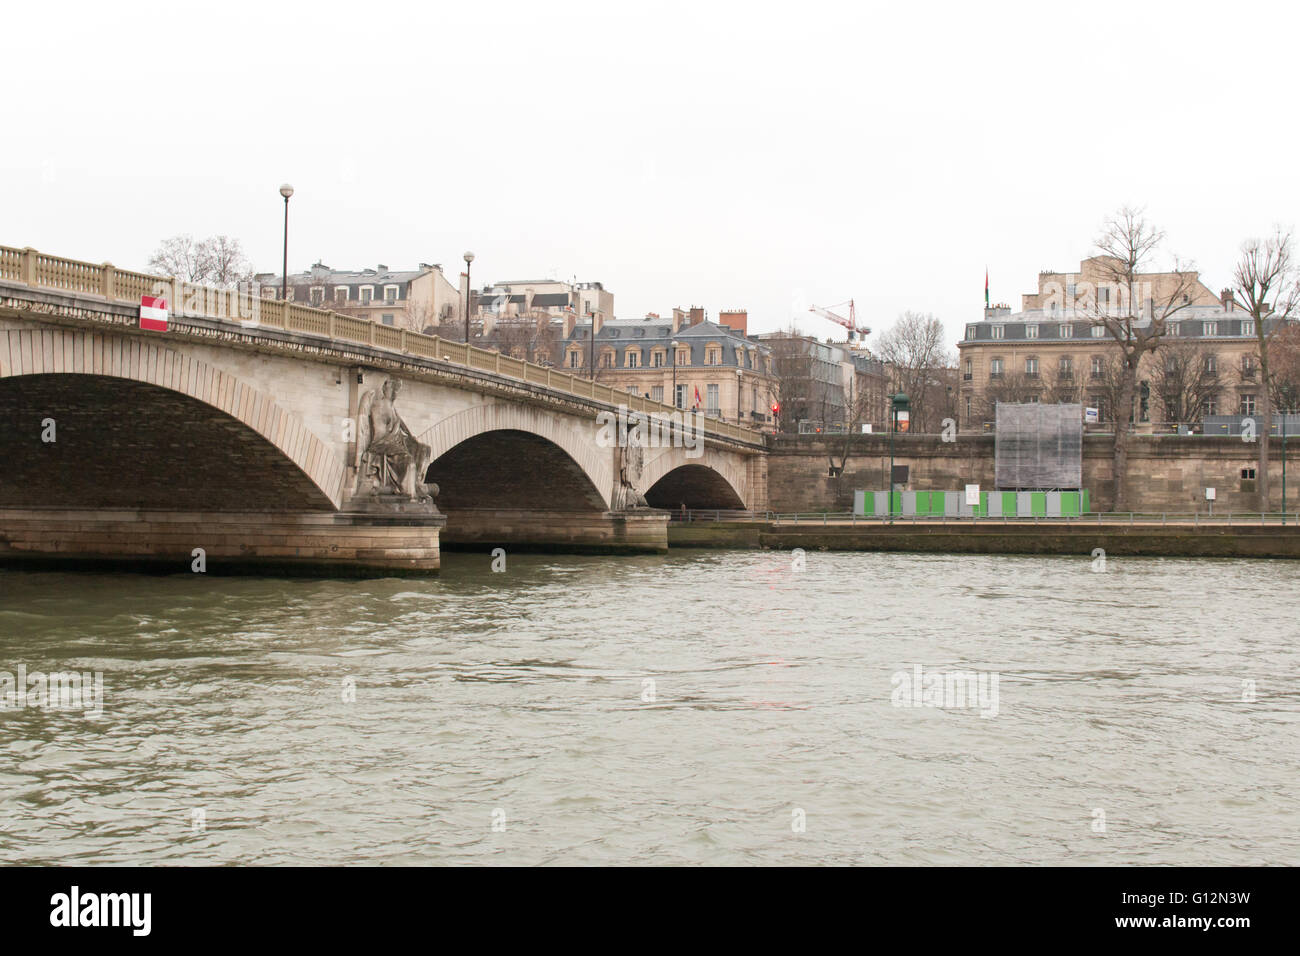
735	319
382	268
697	314
570	320
597	323
1225	297
678	315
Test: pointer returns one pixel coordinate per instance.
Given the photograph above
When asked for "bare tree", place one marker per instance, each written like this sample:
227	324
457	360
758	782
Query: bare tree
916	351
224	262
217	260
181	257
1060	384
1268	283
1009	388
1184	376
1284	368
1133	316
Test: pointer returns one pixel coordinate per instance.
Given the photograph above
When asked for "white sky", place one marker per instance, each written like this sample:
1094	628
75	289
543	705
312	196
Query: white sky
726	155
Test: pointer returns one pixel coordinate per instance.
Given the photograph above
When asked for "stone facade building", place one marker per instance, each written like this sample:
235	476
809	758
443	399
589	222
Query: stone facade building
417	300
686	361
1054	350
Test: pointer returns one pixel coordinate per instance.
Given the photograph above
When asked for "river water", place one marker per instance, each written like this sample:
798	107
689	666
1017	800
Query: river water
704	707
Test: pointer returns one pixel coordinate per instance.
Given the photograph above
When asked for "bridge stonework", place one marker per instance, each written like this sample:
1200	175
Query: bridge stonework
238	440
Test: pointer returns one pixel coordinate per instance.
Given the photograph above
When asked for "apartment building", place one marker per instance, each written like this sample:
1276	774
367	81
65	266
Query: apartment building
1054	350
419	299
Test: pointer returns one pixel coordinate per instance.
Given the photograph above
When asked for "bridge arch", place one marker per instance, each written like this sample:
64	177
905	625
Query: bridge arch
120	365
704	481
527	424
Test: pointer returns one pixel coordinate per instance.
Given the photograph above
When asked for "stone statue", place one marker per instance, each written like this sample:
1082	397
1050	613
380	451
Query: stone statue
389	458
629	473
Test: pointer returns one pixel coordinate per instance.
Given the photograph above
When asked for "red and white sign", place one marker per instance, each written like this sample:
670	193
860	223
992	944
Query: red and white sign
153	313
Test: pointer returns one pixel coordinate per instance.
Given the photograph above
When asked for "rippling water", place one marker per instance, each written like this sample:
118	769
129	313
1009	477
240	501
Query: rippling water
520	700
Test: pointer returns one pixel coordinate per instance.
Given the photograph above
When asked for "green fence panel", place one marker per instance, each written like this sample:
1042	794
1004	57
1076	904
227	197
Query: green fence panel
1086	507
1038	504
1069	504
868	502
896	503
982	509
1008	504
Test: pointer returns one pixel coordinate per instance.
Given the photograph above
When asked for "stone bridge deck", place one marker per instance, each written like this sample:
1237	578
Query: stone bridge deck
246	407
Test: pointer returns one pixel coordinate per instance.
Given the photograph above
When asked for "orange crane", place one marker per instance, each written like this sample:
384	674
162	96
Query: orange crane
851	323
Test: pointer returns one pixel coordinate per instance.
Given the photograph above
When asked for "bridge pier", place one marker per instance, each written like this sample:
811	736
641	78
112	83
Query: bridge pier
319	543
608	532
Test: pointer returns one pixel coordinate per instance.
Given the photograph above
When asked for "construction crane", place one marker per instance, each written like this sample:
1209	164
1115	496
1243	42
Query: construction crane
851	323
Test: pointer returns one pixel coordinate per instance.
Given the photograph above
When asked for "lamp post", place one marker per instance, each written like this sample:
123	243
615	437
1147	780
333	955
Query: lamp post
674	345
591	347
1284	414
739	389
469	291
898	403
286	191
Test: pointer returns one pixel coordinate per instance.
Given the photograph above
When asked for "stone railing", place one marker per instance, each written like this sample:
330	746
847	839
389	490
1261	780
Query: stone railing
36	269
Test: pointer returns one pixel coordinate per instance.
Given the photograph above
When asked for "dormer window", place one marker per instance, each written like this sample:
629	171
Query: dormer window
1031	331
390	294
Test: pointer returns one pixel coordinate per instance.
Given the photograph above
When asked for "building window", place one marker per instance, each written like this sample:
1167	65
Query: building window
1031	331
1099	331
970	332
970	371
1098	364
1248	474
390	294
711	392
657	359
340	293
657	393
1066	367
318	295
607	358
995	368
575	358
633	358
683	356
996	331
681	396
367	294
1209	328
388	318
1248	366
1031	367
713	355
1248	327
1209	407
1248	403
1065	331
1211	364
967	408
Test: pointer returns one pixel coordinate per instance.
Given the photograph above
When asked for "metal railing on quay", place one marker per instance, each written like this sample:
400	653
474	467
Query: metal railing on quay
1194	519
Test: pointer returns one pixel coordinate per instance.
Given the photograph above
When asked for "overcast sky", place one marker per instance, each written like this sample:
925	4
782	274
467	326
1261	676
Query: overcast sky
764	156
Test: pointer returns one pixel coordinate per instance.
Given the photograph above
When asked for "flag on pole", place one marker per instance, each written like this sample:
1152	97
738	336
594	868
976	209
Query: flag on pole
697	398
986	287
153	313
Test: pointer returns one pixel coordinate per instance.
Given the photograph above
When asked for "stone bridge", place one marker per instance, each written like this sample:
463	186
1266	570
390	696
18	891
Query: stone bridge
230	438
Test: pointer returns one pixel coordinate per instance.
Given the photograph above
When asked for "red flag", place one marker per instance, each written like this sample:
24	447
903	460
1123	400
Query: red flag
697	396
986	287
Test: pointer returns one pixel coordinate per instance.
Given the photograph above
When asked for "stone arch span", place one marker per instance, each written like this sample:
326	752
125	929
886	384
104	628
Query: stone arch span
714	480
524	425
105	380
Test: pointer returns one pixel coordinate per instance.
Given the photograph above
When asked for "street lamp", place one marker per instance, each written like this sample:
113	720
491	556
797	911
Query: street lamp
469	258
286	191
739	389
898	403
674	345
